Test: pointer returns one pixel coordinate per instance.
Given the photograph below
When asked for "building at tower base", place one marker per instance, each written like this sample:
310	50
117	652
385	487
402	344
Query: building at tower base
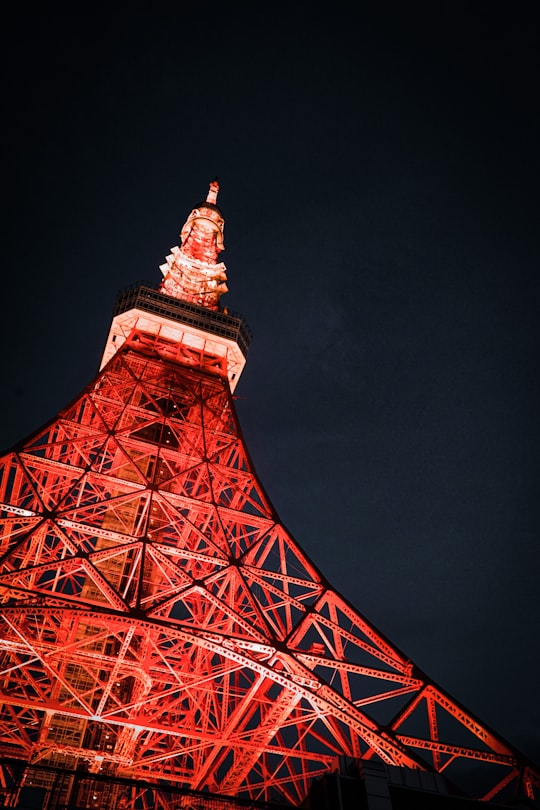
377	786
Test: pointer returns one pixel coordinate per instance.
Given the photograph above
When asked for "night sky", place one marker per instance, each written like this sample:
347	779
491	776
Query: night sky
379	176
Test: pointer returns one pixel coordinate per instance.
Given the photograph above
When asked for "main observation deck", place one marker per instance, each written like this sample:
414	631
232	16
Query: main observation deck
196	332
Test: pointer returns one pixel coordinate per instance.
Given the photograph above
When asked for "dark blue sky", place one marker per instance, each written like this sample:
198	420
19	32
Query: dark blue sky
379	173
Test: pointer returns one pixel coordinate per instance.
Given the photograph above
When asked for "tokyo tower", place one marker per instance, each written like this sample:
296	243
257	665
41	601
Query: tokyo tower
159	625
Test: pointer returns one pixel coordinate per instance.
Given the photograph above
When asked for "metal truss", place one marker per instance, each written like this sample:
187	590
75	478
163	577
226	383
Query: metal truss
158	622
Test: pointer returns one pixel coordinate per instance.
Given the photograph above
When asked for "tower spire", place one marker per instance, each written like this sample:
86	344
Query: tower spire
192	271
213	190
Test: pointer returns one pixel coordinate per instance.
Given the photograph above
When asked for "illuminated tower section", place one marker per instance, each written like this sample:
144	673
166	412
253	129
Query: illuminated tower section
159	623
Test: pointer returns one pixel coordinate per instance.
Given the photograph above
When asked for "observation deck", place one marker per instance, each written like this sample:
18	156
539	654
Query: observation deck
216	340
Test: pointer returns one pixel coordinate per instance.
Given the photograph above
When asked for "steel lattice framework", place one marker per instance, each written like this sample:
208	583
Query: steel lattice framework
160	623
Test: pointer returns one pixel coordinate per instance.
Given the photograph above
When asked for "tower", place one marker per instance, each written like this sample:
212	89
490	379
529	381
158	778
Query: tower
159	623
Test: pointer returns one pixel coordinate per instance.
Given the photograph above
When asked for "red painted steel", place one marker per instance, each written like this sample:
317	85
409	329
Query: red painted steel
160	623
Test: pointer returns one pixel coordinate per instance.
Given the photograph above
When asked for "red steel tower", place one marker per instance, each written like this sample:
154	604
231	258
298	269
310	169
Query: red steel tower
158	622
